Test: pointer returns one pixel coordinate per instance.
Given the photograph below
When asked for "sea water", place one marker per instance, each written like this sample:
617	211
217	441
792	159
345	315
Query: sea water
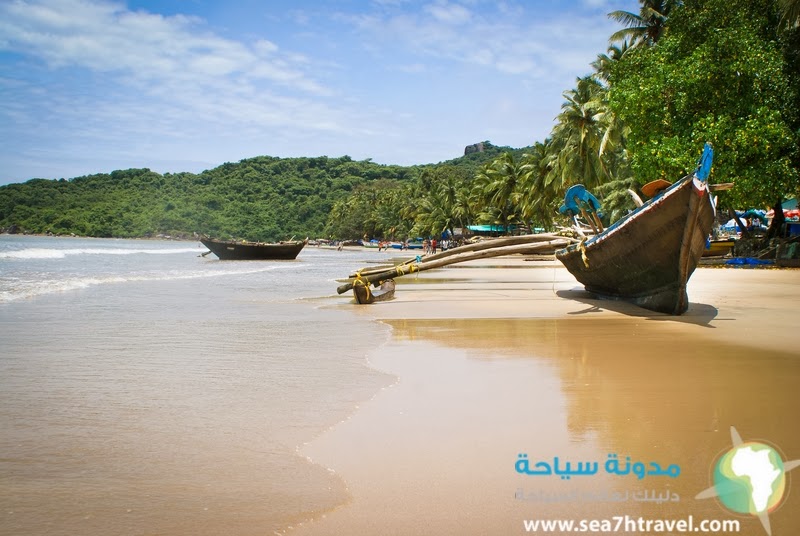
146	389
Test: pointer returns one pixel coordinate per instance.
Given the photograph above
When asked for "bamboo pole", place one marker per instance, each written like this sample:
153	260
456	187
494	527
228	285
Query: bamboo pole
477	246
460	257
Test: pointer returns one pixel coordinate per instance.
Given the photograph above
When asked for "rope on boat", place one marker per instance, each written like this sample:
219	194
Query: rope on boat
369	292
358	281
584	258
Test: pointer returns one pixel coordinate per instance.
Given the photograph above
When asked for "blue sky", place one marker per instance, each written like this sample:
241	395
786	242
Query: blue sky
90	86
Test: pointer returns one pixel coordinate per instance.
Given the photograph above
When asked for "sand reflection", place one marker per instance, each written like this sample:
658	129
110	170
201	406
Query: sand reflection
647	389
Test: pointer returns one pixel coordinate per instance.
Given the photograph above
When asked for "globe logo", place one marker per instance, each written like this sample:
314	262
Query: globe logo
750	479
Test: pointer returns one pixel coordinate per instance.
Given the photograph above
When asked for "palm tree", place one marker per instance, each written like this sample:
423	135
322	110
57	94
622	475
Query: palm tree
538	197
390	205
790	13
441	200
648	26
497	189
437	208
581	135
605	62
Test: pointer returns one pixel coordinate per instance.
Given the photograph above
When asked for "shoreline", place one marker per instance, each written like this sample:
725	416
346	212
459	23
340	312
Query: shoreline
541	288
526	344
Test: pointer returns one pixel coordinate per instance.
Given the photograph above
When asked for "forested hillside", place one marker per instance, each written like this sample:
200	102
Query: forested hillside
262	198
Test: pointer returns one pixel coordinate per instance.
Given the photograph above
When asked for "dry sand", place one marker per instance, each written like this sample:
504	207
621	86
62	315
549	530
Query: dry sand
504	357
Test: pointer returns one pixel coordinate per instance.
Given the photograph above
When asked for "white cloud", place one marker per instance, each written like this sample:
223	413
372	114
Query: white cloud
163	71
139	85
413	68
540	46
106	37
596	3
449	13
265	48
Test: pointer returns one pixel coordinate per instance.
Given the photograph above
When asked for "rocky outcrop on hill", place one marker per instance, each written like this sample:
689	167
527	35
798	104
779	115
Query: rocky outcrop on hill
474	148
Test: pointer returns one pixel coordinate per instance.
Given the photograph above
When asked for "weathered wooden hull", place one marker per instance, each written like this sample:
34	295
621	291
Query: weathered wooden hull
251	251
366	295
647	257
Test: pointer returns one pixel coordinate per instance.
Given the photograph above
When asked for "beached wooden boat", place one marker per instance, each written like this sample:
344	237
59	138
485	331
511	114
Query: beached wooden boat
228	250
647	257
364	294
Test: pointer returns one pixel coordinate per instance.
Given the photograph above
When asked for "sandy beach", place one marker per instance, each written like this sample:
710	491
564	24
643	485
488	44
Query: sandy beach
505	358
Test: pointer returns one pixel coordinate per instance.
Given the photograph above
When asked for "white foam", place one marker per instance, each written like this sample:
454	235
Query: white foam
23	289
43	253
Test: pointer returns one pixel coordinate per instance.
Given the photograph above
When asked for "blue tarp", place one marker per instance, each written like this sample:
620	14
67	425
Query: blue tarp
491	228
748	261
753	213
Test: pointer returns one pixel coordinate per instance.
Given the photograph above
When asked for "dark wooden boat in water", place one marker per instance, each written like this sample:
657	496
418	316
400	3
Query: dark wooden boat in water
364	294
647	257
230	250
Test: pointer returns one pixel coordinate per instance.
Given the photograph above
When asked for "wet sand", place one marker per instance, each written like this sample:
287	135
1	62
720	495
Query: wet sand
499	358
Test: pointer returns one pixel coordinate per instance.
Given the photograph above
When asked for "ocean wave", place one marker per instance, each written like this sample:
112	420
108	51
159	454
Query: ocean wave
45	253
18	288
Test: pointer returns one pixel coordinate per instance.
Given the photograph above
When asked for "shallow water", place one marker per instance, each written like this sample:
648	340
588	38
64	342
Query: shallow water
145	389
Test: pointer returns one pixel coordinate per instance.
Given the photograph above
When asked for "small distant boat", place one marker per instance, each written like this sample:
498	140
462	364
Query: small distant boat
232	250
719	248
366	295
408	245
647	257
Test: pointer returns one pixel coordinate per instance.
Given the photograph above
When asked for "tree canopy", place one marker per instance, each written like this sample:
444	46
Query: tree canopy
717	75
262	198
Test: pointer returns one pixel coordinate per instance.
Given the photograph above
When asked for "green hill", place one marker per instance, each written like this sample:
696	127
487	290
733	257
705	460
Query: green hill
261	198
